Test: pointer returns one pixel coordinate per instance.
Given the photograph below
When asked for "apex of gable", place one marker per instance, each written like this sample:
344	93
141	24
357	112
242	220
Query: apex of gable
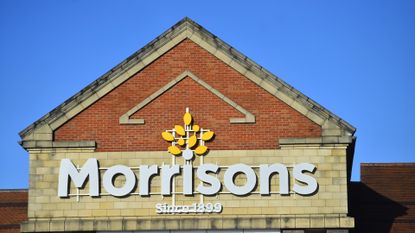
42	129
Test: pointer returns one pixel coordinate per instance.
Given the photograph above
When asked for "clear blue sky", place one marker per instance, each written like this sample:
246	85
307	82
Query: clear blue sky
356	58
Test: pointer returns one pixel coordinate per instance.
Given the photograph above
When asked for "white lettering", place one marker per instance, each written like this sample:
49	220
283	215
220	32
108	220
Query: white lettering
130	180
305	184
187	179
311	183
215	184
146	172
266	171
186	209
67	169
250	179
167	173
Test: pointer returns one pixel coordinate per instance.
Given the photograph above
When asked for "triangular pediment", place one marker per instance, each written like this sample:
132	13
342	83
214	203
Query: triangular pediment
43	128
127	120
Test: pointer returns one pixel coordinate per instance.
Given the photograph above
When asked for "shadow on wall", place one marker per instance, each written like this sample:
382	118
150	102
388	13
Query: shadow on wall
374	212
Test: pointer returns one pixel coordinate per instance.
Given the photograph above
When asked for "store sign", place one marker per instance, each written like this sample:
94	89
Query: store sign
206	173
187	141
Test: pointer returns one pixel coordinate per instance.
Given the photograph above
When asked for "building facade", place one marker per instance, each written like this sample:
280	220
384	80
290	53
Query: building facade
188	134
382	202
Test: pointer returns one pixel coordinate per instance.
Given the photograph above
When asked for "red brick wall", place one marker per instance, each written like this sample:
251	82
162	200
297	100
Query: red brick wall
274	119
395	181
384	200
13	210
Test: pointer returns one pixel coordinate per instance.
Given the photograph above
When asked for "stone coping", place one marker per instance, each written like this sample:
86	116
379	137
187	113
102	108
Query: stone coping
317	140
40	144
182	222
45	144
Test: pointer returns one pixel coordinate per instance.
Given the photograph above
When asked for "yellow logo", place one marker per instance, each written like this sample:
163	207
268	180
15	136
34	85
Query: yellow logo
187	137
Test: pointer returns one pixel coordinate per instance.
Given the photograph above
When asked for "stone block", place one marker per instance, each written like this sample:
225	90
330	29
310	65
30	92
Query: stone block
188	224
115	224
113	212
42	225
86	224
287	221
27	226
244	223
130	224
331	222
171	224
317	221
101	225
72	225
273	222
346	222
302	222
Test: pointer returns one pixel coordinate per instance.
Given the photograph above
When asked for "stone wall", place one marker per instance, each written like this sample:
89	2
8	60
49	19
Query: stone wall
326	208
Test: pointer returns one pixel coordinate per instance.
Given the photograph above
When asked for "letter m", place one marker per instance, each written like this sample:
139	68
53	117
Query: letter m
67	169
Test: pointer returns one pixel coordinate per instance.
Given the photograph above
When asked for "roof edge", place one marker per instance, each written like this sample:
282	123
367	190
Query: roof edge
168	35
13	190
398	164
94	86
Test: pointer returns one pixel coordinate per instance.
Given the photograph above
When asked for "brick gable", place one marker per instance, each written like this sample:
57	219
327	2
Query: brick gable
274	118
